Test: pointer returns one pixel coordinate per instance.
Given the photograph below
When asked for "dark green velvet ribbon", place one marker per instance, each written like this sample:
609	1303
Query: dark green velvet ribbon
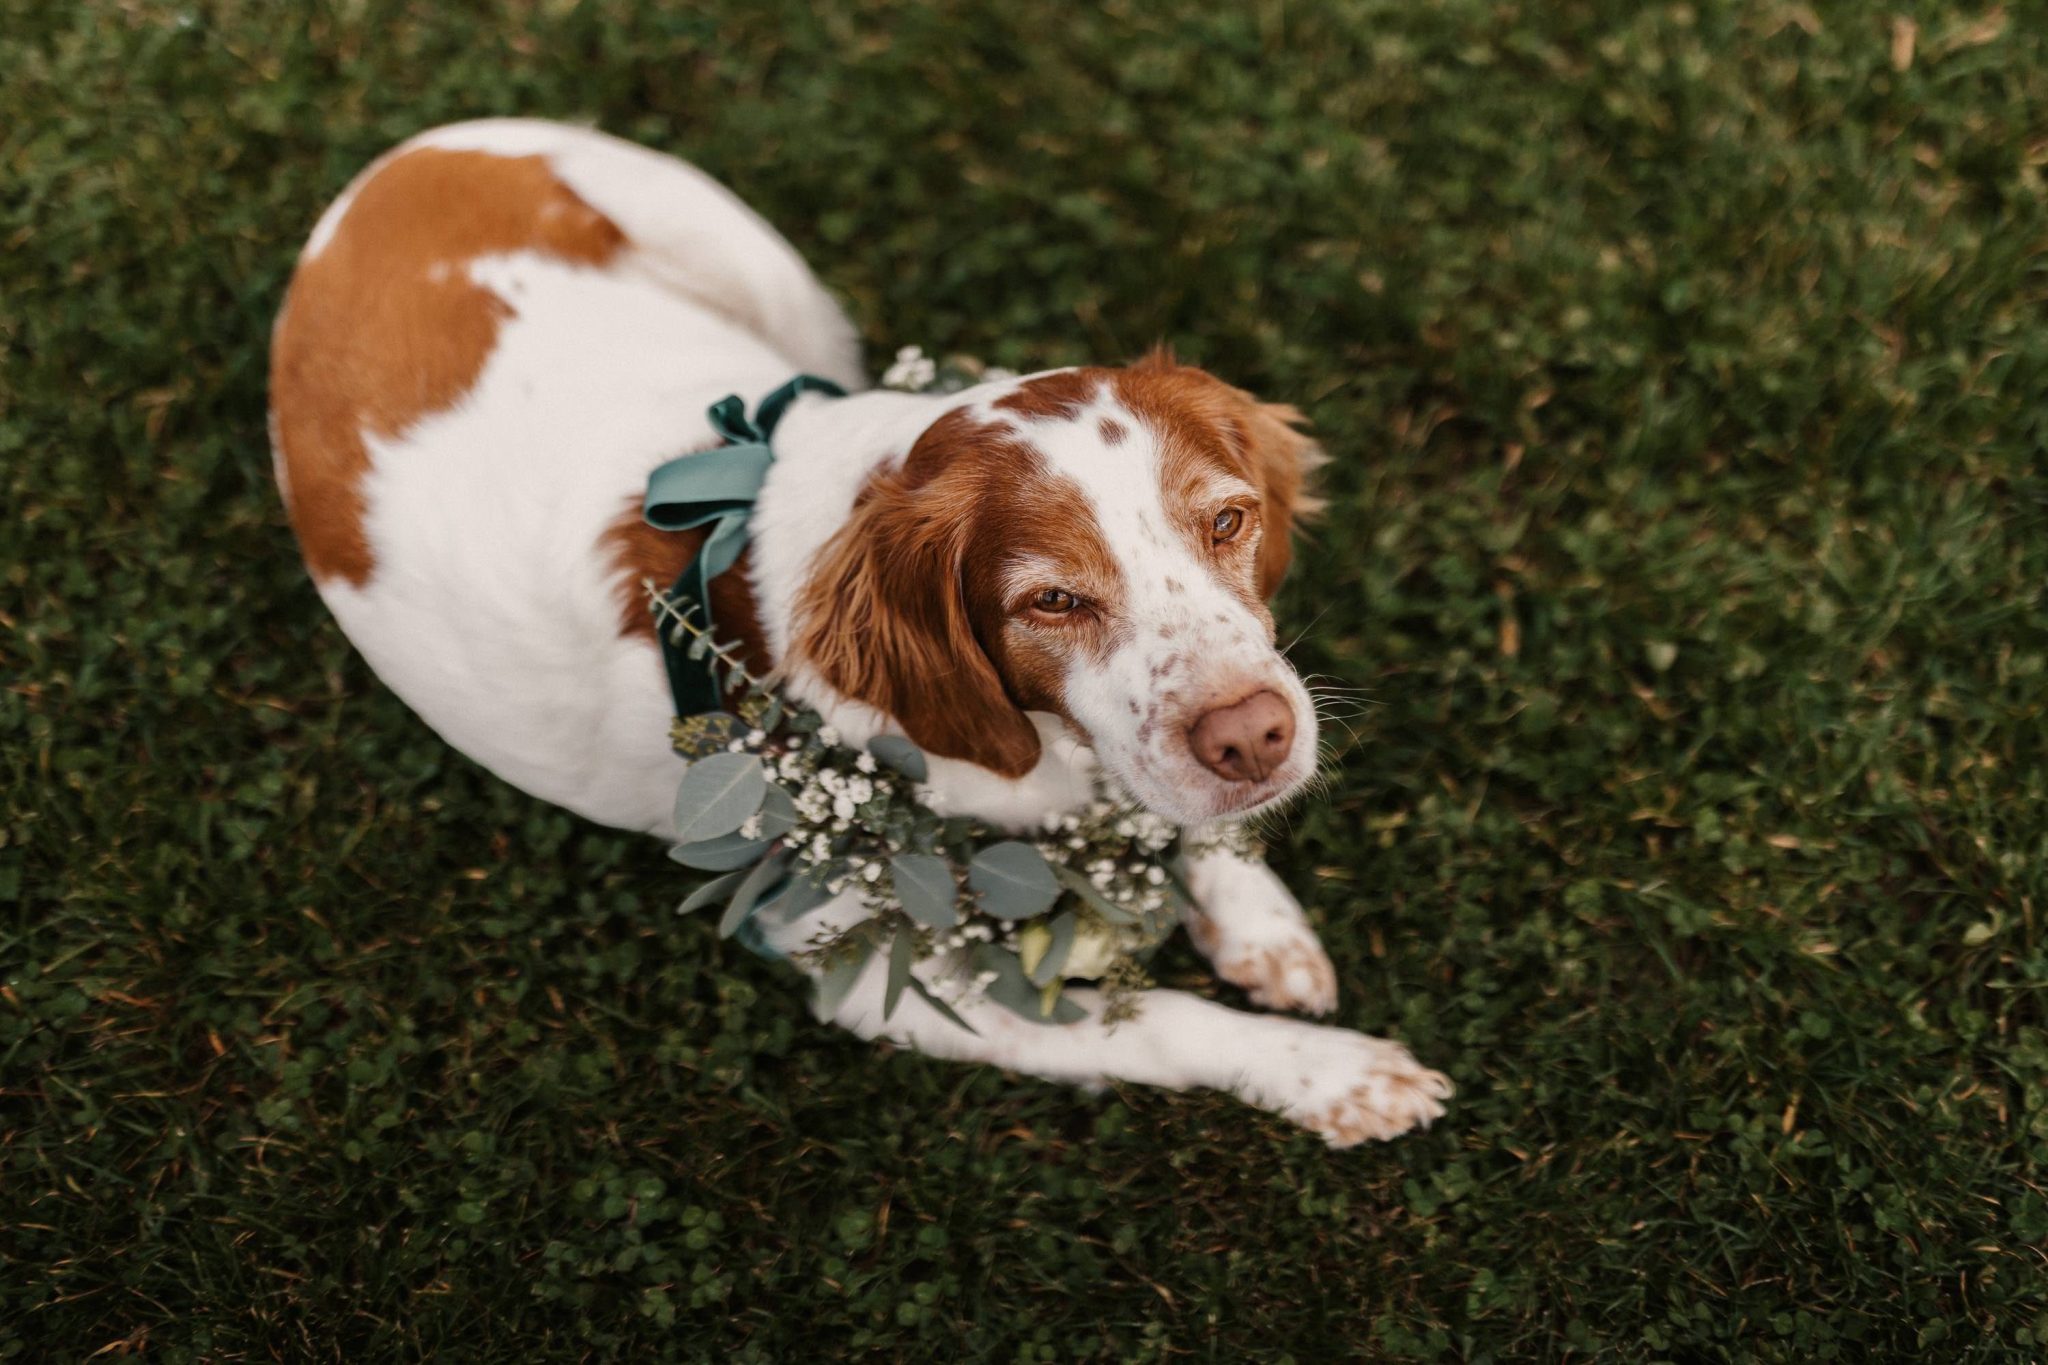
715	488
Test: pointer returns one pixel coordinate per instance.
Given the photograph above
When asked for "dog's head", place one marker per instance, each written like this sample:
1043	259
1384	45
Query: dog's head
1093	543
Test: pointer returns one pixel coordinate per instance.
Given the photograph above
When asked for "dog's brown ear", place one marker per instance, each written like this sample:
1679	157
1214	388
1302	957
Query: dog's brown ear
883	618
1283	458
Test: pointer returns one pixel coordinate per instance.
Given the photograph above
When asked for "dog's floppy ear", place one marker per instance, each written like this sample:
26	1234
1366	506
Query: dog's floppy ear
883	618
1283	458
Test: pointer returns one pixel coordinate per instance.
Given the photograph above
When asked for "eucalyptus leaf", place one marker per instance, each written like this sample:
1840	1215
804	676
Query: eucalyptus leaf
1013	990
778	812
902	953
748	893
945	1010
1053	958
925	888
1077	882
722	854
894	751
717	795
796	898
838	979
718	888
1014	880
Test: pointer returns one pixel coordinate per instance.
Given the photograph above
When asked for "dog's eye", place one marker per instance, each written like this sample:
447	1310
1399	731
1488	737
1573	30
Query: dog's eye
1228	523
1054	601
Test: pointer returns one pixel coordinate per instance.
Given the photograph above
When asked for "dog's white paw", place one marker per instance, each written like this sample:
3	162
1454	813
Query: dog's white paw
1348	1087
1281	967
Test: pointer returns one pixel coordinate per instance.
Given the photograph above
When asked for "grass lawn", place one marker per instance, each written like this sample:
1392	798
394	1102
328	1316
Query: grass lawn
1686	370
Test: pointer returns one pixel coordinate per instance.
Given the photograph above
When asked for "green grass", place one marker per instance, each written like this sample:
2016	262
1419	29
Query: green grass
1684	367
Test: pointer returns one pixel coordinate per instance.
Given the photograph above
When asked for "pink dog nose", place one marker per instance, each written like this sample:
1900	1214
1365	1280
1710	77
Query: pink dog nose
1243	743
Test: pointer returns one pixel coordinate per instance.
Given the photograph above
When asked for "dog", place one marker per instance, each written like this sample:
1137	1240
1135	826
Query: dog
501	327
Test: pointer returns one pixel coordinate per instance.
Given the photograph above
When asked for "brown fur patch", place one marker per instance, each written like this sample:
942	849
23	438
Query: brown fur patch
1111	431
1059	396
383	326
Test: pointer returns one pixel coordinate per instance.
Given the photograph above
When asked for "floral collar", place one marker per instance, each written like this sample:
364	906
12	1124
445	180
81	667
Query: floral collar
788	815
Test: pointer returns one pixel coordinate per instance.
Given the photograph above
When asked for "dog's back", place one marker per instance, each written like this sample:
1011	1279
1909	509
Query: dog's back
491	338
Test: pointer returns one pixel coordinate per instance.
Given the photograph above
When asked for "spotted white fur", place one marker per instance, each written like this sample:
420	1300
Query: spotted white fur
491	609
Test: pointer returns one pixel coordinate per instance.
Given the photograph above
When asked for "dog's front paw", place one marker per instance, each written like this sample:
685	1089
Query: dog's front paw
1282	968
1348	1087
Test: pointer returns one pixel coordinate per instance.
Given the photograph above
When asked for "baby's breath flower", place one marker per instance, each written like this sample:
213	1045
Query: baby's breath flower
913	370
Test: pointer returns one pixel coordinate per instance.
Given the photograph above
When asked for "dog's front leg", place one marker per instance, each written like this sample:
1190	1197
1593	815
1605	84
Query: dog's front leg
1345	1086
1247	923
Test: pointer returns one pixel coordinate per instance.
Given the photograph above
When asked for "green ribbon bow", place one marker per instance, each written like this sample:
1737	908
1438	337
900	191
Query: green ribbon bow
715	488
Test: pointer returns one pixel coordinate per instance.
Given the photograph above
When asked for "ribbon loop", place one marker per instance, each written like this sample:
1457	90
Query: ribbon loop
715	488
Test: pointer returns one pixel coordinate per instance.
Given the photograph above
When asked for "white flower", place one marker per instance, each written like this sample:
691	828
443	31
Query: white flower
1155	874
865	763
913	370
750	828
859	790
827	735
756	736
842	807
871	873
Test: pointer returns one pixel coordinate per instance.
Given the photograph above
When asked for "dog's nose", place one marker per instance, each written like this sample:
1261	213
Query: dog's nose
1244	742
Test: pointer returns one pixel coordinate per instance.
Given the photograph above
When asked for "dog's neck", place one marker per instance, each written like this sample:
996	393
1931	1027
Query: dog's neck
825	451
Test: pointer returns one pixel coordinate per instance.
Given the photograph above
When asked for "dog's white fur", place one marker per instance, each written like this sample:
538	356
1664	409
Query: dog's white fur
493	614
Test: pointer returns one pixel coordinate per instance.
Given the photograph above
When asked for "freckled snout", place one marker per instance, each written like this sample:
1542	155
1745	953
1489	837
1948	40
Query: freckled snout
1245	741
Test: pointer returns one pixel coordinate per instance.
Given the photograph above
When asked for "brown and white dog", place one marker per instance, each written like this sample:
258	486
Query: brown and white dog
501	327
